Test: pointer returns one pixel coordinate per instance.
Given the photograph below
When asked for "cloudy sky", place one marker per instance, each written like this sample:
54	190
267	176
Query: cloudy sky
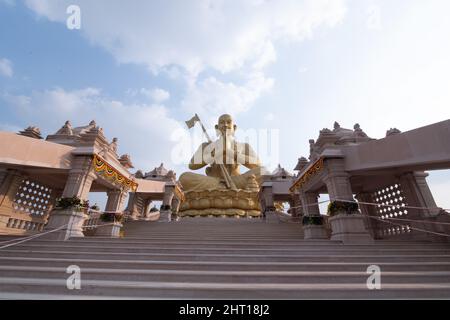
283	68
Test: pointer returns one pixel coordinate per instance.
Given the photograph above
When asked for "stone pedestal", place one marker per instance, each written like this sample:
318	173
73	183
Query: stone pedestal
165	216
271	217
109	229
349	228
72	218
314	232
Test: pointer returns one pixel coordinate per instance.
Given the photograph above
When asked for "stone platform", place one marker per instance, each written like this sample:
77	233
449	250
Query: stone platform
225	203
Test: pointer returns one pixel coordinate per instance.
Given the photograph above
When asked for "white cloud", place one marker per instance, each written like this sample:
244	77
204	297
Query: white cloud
223	35
184	38
157	95
141	128
212	96
6	68
269	116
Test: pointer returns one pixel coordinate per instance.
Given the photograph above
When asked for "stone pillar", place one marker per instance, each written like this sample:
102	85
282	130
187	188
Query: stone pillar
337	180
418	194
115	200
348	228
297	205
367	211
175	207
132	207
166	207
311	209
267	195
80	178
10	183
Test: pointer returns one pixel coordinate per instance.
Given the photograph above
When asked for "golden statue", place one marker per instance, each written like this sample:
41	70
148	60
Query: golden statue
224	191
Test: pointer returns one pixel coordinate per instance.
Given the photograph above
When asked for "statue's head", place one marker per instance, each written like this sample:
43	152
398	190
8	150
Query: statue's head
225	124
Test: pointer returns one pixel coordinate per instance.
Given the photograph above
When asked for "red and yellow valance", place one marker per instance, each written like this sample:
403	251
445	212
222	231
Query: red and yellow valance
106	170
315	168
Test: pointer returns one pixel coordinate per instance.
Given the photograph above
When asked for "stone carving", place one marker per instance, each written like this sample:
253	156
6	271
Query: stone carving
32	132
392	132
66	129
113	145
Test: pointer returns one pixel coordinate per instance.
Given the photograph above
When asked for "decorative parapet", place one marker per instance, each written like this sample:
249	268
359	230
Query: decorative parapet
107	171
308	174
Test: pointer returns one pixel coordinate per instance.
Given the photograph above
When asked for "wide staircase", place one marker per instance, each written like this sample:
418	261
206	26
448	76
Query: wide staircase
202	258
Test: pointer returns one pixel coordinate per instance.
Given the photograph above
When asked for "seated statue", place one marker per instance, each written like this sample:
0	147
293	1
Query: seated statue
224	191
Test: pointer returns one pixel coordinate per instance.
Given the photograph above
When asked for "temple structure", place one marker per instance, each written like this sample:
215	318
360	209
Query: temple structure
380	212
70	163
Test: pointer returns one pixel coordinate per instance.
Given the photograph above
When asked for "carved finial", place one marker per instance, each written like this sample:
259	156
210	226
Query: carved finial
357	126
336	125
32	132
113	145
302	162
125	161
66	129
392	131
139	174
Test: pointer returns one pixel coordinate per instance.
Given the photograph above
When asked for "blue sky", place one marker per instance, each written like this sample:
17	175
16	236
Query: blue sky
140	68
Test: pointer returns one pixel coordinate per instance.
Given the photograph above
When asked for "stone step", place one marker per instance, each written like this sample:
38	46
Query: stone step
238	244
235	257
223	265
300	250
193	290
225	276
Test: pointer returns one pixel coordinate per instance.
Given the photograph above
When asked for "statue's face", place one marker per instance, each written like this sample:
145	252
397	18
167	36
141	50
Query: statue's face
226	124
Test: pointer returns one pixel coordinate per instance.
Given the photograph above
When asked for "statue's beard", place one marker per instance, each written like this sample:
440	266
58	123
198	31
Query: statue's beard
227	133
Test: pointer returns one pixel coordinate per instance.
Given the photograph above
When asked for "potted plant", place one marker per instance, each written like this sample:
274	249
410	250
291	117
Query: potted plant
112	224
71	212
313	227
72	203
347	223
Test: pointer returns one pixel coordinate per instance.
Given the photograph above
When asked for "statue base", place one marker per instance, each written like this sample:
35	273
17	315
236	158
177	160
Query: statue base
220	203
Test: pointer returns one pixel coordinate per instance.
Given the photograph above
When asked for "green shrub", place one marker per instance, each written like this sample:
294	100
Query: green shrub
72	202
112	217
312	220
336	207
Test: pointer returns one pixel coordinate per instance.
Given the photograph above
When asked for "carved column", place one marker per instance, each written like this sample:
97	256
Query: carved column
267	198
337	180
80	178
348	228
169	193
115	200
313	226
372	225
418	194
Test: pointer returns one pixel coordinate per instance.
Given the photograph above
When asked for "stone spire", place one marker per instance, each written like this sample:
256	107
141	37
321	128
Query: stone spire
125	160
302	162
66	129
32	132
